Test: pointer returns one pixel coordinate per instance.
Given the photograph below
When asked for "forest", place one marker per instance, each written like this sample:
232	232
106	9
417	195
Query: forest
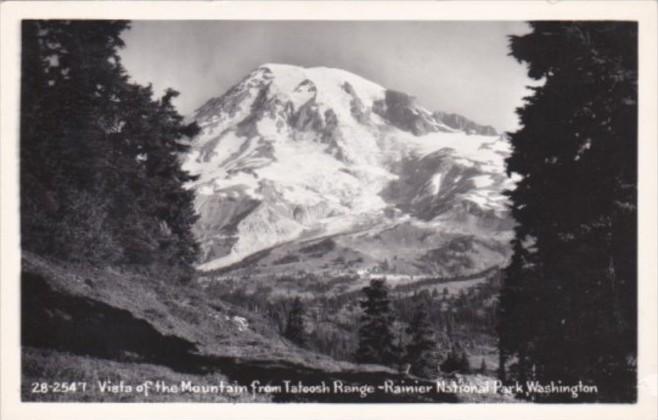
462	322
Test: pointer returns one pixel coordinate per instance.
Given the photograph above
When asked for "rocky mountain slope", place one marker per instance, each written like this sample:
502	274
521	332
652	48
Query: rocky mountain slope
320	169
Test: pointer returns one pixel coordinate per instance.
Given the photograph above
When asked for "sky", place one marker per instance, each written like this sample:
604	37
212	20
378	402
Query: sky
461	67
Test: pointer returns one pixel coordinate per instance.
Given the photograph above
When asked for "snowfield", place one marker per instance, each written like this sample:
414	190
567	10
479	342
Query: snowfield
309	152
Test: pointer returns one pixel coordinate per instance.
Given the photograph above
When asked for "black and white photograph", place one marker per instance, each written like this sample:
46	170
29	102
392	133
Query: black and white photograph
329	211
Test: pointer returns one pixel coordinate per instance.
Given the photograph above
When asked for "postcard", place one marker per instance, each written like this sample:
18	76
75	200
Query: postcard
294	209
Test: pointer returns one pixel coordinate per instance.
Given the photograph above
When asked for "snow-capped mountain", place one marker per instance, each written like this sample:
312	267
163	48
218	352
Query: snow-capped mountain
318	168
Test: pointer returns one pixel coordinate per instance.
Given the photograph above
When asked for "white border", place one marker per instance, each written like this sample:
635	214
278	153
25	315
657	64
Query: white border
12	12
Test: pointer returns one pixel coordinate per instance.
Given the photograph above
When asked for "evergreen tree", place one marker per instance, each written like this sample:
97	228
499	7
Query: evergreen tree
421	352
464	364
568	306
376	338
100	174
295	326
483	366
456	361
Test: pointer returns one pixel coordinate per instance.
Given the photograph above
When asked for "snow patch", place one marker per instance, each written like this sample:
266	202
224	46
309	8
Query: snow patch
436	183
482	181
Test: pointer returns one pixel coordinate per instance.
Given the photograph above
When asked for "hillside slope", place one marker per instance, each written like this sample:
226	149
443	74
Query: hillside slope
85	324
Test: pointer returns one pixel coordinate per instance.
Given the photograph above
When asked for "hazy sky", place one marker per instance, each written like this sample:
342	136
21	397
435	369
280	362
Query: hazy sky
460	67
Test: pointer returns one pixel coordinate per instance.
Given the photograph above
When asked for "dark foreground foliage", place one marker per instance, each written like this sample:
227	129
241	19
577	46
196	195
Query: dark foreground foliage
100	176
568	306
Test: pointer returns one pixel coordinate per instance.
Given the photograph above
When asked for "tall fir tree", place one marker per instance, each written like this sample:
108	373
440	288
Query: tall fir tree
100	174
568	306
376	338
421	351
295	331
456	360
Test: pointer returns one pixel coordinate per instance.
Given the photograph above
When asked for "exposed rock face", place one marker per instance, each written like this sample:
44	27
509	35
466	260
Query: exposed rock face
398	108
461	123
293	155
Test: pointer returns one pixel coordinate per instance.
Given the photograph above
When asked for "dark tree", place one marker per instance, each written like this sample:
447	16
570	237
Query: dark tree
376	338
464	364
456	361
421	352
568	306
295	326
483	366
100	174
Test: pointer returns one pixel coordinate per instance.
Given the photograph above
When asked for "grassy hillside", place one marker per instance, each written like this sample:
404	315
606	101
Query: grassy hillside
40	365
83	324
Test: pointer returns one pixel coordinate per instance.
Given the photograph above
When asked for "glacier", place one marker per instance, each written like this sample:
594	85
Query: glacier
293	155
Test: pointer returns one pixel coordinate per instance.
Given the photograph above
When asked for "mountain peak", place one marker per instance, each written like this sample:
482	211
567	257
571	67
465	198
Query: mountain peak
329	85
336	74
293	153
